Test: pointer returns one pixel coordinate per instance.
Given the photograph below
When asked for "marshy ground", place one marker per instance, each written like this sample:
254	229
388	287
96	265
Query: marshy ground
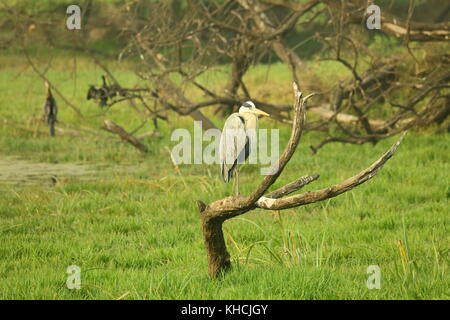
130	221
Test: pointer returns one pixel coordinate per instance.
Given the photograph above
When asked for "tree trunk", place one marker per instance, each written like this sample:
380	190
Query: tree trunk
218	256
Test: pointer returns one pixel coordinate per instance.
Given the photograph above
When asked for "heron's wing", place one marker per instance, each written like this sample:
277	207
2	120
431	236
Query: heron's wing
46	108
50	109
233	142
55	107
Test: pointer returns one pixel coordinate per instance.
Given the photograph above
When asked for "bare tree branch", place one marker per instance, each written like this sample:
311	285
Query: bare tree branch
214	214
114	128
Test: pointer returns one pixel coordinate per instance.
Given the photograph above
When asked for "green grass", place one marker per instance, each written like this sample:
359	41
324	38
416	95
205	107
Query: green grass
137	232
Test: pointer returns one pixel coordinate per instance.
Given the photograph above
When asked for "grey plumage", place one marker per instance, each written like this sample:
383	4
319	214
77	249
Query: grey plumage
50	110
234	145
235	140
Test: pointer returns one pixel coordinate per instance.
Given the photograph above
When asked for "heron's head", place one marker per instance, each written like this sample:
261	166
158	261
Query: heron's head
250	107
47	88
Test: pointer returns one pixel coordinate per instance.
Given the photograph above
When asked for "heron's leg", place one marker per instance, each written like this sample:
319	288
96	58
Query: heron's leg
237	180
234	180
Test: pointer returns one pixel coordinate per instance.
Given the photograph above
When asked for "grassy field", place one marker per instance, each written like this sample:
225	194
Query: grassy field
133	228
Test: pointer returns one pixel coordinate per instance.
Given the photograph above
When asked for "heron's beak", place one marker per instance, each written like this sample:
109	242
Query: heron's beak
261	113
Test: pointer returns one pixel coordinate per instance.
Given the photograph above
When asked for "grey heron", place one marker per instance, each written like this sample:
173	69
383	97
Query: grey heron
235	140
50	109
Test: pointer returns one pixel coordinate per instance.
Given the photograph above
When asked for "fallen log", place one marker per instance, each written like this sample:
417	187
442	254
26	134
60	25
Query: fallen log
125	136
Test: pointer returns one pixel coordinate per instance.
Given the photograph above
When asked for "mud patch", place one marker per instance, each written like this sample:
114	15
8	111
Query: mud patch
19	171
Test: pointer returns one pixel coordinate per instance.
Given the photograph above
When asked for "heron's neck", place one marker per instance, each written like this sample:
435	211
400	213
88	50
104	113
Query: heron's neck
251	120
48	91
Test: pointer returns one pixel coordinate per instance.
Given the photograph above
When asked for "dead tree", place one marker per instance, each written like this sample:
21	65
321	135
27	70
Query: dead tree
242	33
179	48
353	13
216	213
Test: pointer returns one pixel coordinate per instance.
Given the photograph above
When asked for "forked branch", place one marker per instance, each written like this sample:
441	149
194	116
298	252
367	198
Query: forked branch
329	192
214	214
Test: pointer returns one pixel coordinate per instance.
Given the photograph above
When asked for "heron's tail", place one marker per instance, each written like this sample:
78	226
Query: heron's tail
223	175
52	129
226	173
51	124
